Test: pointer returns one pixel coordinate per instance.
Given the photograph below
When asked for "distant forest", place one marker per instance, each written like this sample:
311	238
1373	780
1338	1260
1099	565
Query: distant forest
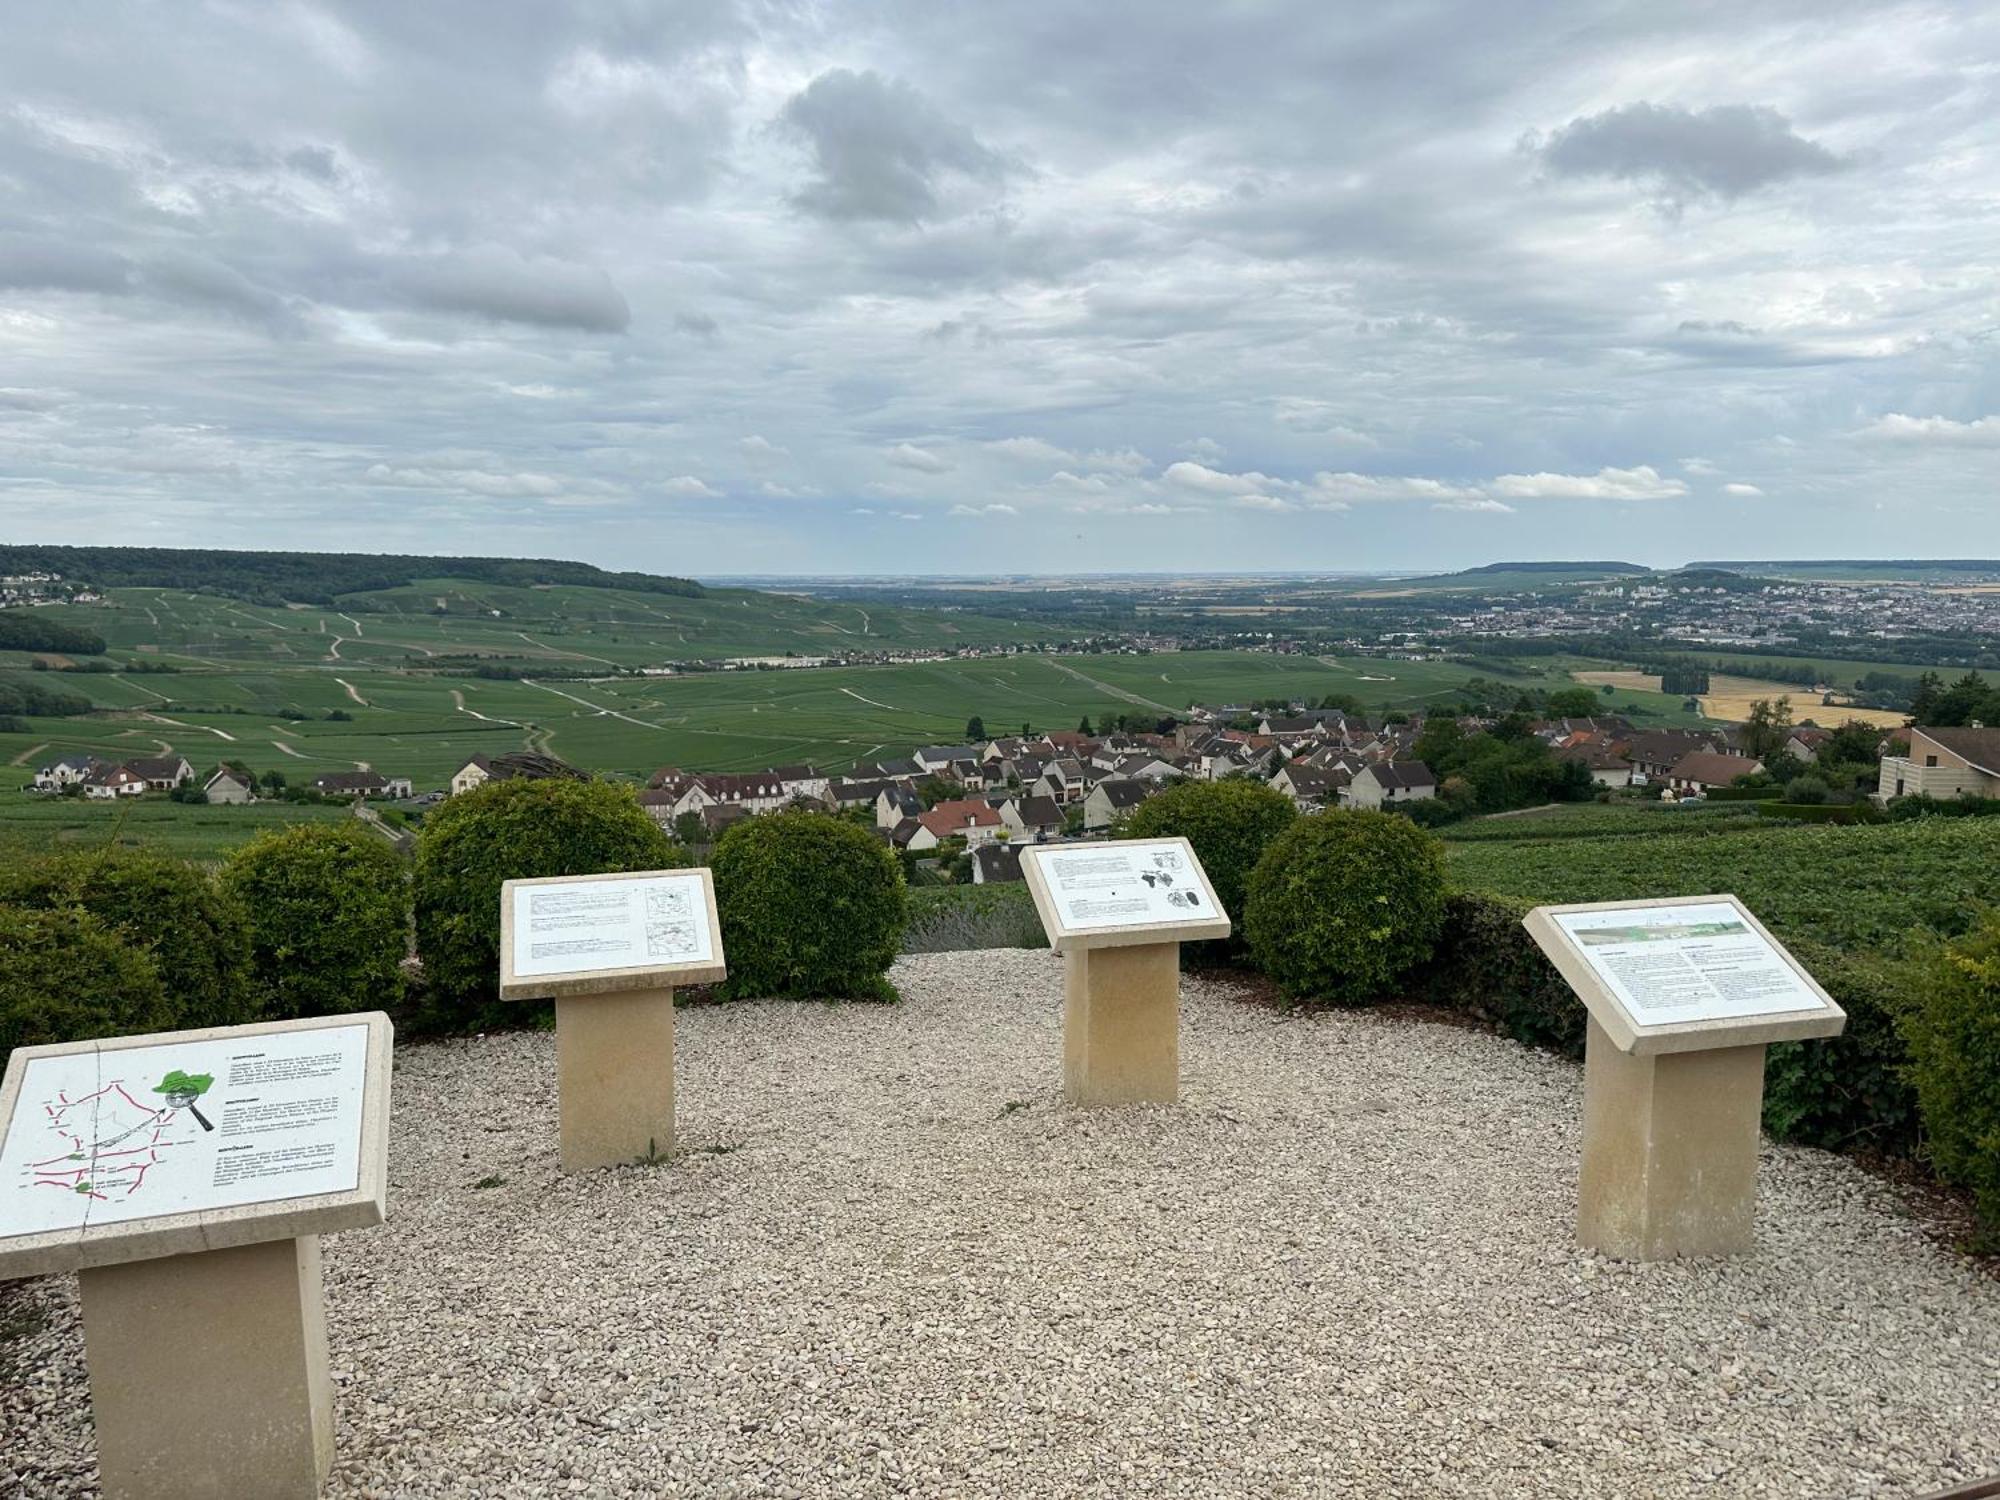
309	577
31	630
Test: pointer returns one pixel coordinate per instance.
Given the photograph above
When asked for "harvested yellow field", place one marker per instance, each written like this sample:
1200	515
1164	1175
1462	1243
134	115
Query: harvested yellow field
1730	698
1644	682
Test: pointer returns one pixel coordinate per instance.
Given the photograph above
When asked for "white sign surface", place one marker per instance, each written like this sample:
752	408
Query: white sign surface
137	1132
580	926
1667	964
1125	885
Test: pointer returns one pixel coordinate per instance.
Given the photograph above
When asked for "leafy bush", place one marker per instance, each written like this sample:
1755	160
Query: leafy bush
513	830
1229	824
1844	1091
1807	789
1343	904
173	911
1487	966
812	908
1952	1027
329	912
65	976
1820	812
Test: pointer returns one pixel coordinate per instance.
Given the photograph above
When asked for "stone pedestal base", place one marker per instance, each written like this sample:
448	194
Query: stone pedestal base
615	1075
208	1375
1669	1151
1122	1025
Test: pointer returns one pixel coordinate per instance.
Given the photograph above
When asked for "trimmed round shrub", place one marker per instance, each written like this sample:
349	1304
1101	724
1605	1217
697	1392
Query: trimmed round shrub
812	908
329	912
65	976
1343	904
513	830
174	911
1229	823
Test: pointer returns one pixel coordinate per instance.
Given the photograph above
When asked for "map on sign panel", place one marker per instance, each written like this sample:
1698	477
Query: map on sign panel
581	926
1124	885
133	1133
1687	962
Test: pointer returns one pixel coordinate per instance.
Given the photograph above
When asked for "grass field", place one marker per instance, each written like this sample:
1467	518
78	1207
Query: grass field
1598	820
43	825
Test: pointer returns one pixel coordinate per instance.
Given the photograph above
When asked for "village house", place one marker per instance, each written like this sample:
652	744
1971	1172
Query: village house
360	784
1035	819
894	803
1655	753
1312	787
1109	801
1391	783
226	788
114	781
526	765
1606	766
968	819
803	782
996	864
935	760
1704	771
66	771
161	773
1944	763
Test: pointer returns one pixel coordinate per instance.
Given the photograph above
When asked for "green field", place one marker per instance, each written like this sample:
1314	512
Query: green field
1859	888
42	825
1596	820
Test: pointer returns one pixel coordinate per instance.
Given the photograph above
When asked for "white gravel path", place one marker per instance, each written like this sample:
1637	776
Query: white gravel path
891	1261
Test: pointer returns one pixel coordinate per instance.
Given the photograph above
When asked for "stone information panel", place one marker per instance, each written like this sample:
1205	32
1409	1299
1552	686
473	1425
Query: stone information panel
111	1136
1125	885
580	927
1687	962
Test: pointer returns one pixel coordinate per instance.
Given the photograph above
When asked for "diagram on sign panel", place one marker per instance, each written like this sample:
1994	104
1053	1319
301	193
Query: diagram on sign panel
671	914
106	1142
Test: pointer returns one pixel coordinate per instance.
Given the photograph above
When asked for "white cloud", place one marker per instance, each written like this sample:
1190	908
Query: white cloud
1981	432
1206	449
922	460
758	447
1699	466
1344	487
689	487
1193	476
995	509
1745	491
1264	502
1642	483
1480	505
1032	450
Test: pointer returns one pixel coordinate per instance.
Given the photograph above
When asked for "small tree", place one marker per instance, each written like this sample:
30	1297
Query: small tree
329	910
1768	727
689	829
512	830
1083	725
272	780
811	907
65	977
975	730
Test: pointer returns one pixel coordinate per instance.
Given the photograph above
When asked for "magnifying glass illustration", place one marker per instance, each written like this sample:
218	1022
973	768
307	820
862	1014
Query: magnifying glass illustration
182	1089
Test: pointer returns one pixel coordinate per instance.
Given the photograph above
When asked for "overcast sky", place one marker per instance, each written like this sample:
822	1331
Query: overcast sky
1043	285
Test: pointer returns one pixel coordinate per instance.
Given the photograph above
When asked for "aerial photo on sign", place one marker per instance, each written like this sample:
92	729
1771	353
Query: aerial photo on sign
103	1137
1683	962
578	927
1125	885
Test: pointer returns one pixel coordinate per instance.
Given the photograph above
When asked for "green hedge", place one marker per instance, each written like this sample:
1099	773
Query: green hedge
65	976
1836	1092
1952	1028
1487	966
329	909
1850	1090
1343	904
1229	824
169	909
812	908
512	830
1743	794
1820	812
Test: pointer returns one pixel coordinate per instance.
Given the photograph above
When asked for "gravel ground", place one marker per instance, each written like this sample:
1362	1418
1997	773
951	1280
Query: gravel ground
890	1261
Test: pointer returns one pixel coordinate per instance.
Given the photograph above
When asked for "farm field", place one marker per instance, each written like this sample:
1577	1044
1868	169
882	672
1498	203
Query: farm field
1859	888
45	825
1598	820
1730	698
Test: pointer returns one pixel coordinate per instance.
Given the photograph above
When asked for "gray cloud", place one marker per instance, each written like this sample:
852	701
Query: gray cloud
33	263
496	283
1727	150
880	149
